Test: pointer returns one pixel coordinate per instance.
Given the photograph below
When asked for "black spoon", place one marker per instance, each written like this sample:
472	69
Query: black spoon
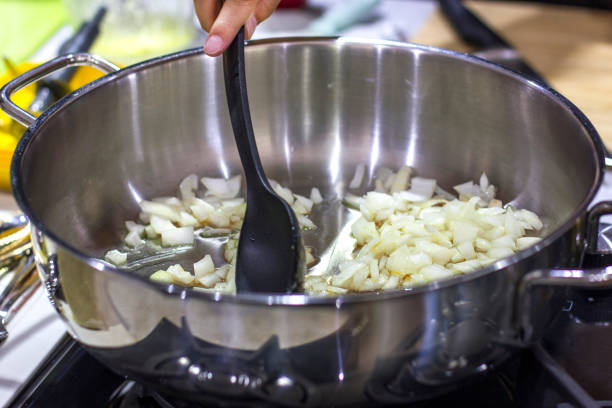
270	251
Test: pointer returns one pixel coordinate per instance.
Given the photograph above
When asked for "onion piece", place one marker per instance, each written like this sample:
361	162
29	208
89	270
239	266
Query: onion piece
306	202
203	267
187	220
160	209
172	202
162	277
188	186
305	222
315	196
284	193
133	239
116	257
201	210
132	226
177	236
358	177
401	180
159	224
180	276
526	242
209	281
222	188
484	181
468	188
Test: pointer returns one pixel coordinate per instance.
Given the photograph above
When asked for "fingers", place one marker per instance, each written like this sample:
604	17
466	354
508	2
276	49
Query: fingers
264	9
207	11
223	23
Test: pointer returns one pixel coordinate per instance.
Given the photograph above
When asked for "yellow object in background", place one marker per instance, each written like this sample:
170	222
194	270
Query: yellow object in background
11	131
8	142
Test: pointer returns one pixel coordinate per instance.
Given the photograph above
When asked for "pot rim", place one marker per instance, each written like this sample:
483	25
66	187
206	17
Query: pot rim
303	299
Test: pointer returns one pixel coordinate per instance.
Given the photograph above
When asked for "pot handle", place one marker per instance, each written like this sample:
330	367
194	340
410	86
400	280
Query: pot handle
41	71
592	256
530	316
532	304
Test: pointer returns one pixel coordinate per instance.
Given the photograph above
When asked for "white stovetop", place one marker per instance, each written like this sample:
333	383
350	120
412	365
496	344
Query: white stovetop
33	333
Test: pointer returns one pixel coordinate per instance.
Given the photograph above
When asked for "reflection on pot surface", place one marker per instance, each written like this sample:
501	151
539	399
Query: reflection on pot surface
320	107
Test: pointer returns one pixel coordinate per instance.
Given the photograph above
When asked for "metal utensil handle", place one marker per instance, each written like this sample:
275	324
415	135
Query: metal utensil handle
41	71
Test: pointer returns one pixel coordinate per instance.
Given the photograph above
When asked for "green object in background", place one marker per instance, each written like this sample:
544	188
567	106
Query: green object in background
27	25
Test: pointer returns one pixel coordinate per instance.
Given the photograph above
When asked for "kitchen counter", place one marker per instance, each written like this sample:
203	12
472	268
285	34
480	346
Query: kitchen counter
570	46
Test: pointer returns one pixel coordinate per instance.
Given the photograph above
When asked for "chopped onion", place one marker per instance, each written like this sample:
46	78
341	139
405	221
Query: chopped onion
222	188
159	224
201	210
173	202
283	192
526	242
219	219
209	280
188	187
132	226
400	180
162	277
116	257
423	187
306	202
352	201
358	177
177	236
305	222
409	238
468	188
180	276
160	209
484	182
187	220
315	196
150	232
133	239
203	267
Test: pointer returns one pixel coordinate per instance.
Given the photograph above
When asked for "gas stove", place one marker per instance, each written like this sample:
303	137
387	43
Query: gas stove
568	369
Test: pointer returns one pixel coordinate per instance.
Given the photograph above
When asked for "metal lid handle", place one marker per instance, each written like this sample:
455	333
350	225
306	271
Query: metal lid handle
41	71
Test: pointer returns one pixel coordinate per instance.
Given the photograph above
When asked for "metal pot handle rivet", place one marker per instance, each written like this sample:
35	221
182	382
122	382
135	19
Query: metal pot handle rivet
41	71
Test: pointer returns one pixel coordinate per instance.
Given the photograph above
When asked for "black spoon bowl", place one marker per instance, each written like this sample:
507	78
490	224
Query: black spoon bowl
270	253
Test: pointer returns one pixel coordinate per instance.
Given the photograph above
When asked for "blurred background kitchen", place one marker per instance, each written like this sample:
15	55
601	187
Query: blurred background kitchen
569	42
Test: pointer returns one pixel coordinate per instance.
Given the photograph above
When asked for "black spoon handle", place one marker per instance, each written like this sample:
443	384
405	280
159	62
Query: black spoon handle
238	102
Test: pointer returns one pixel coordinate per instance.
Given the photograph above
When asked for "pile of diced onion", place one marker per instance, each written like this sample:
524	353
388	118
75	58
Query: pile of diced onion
176	221
412	232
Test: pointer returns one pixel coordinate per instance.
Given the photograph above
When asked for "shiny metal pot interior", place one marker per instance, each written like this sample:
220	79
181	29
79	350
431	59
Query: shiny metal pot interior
319	108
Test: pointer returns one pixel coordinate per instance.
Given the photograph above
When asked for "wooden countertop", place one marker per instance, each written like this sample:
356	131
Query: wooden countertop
570	46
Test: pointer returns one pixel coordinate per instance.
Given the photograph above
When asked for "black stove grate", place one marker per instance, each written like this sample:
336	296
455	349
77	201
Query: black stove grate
71	378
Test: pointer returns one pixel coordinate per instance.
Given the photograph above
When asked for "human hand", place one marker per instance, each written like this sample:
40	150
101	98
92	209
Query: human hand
223	19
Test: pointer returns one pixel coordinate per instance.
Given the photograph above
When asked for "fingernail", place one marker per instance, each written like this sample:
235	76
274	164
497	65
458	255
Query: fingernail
251	24
213	45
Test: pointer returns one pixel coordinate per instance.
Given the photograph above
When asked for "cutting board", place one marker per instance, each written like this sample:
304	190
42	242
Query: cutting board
570	46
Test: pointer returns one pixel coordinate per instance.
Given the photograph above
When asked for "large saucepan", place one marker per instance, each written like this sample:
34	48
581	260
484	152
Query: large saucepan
320	107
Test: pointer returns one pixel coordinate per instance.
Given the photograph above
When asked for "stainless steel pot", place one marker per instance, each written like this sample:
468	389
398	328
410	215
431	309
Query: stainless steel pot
320	107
